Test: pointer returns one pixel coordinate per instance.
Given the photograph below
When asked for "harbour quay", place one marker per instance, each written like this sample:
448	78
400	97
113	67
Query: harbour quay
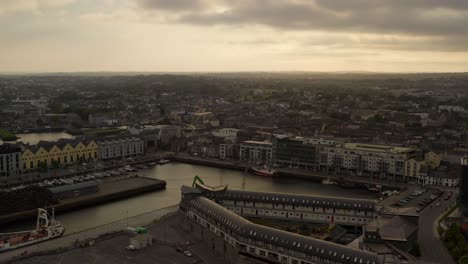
283	172
76	197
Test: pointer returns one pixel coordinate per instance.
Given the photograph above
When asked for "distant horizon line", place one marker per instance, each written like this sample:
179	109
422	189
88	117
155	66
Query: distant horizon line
3	73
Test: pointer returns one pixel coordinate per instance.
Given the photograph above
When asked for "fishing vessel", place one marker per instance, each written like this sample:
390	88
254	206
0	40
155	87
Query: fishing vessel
46	228
263	171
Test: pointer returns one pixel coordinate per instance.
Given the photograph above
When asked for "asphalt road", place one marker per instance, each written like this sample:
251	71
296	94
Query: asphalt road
432	247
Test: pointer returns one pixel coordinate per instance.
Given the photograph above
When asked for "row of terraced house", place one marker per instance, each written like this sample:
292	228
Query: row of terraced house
20	158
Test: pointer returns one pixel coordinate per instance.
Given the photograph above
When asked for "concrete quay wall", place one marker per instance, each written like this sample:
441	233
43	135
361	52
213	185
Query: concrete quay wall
90	200
282	172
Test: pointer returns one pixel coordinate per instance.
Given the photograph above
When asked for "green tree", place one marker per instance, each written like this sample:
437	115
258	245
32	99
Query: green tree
463	260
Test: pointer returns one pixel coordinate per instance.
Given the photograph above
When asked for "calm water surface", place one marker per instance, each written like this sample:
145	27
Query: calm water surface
33	138
178	174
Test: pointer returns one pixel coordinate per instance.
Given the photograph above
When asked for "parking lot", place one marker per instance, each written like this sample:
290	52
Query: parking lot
414	200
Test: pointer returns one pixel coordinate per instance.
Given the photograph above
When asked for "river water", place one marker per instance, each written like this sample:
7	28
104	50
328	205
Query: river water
33	138
178	174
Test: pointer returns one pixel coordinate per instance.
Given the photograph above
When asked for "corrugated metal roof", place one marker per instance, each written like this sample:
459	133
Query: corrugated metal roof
293	199
307	245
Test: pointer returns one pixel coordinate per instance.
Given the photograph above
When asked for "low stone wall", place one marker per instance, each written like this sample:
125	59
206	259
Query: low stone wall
87	200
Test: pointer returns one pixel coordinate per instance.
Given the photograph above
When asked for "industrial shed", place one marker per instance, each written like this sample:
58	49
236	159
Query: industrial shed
74	190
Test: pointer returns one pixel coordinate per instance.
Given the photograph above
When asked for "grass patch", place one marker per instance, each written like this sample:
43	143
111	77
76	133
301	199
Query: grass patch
452	208
7	135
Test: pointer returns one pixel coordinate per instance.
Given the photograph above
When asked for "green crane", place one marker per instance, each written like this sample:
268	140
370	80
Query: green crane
195	179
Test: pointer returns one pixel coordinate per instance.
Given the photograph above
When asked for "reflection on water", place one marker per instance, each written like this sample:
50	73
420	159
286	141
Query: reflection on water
178	174
33	138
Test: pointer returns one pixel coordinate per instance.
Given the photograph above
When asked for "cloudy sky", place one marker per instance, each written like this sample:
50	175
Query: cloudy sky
234	35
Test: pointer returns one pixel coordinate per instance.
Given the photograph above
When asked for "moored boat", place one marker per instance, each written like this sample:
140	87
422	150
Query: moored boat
46	228
346	184
163	161
263	171
327	181
374	188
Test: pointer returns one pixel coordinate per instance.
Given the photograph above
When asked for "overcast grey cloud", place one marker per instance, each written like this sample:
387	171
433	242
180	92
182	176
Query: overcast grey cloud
426	17
174	5
233	35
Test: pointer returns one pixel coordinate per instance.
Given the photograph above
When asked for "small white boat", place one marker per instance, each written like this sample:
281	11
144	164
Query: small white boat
327	181
163	161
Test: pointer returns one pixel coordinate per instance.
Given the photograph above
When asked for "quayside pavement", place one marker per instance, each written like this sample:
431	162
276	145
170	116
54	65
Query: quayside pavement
70	240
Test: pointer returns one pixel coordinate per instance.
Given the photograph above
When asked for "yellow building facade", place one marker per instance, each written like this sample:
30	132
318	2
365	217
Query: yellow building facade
415	166
62	153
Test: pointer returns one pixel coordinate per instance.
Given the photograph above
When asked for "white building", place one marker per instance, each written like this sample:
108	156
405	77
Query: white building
229	134
453	108
439	180
119	147
370	159
228	151
10	160
256	151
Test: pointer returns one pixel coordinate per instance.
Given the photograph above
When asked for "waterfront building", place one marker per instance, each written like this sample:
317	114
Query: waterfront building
266	243
120	147
298	152
256	151
463	195
376	161
228	134
292	207
62	153
228	151
10	160
358	159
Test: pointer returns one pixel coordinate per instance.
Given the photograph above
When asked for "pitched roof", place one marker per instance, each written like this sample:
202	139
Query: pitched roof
296	199
307	245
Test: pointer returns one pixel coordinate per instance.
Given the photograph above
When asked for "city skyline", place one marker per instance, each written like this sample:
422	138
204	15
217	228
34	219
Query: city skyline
225	35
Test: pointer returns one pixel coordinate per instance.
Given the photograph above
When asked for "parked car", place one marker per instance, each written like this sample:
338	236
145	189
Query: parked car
130	247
